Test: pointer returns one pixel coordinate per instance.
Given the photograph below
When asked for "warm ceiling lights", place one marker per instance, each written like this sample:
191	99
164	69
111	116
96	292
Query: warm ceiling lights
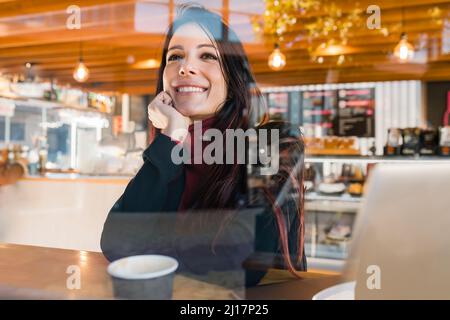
277	60
331	48
404	50
81	72
146	64
340	60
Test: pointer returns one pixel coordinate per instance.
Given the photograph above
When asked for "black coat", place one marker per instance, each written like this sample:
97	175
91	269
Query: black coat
145	220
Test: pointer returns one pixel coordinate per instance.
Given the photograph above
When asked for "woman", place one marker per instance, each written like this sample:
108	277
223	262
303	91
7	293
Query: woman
205	76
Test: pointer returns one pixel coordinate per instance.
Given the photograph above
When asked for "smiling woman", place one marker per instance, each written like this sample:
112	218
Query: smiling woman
205	76
193	75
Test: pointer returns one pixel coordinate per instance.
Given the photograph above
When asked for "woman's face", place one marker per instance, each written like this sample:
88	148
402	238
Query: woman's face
193	75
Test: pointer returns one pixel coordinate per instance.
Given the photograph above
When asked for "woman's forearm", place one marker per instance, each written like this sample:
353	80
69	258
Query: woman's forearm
156	188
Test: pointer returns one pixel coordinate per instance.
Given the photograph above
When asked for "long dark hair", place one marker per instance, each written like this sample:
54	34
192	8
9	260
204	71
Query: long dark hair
224	182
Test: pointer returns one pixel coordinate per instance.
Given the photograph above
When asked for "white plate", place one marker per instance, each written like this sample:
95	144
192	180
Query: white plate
343	291
331	187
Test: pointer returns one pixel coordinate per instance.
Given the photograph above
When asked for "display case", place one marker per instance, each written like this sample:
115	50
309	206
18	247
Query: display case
335	192
66	137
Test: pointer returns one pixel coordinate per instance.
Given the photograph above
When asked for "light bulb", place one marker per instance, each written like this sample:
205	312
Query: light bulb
277	60
81	72
404	50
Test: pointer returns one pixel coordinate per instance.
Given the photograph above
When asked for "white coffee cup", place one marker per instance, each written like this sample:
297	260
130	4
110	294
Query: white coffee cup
143	277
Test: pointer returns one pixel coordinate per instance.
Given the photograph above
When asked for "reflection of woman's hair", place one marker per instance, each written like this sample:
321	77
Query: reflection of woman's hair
285	191
223	183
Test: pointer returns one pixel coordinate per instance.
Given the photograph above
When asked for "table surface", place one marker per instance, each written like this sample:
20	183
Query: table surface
42	273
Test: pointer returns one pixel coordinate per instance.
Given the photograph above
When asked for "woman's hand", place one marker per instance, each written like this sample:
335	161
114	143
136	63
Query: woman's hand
164	116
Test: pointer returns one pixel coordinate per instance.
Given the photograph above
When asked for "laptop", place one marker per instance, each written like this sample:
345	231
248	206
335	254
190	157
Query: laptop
401	244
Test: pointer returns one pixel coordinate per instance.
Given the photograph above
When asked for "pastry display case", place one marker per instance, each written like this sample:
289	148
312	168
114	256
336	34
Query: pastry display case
334	196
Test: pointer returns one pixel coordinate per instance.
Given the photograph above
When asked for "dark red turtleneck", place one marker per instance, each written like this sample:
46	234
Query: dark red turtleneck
194	173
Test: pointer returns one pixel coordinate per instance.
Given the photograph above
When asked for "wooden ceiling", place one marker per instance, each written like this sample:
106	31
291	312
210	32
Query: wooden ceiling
115	33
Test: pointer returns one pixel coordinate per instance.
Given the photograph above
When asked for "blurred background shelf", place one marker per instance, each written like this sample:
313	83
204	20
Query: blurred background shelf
325	257
314	196
330	265
332	205
333	152
366	160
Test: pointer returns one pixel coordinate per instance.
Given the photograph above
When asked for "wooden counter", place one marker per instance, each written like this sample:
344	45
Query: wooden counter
41	273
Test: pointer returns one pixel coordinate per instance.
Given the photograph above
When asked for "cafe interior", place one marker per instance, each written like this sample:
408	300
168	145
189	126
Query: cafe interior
367	83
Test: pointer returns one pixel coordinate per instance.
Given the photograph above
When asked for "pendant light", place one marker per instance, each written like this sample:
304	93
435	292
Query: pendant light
404	51
277	59
81	72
